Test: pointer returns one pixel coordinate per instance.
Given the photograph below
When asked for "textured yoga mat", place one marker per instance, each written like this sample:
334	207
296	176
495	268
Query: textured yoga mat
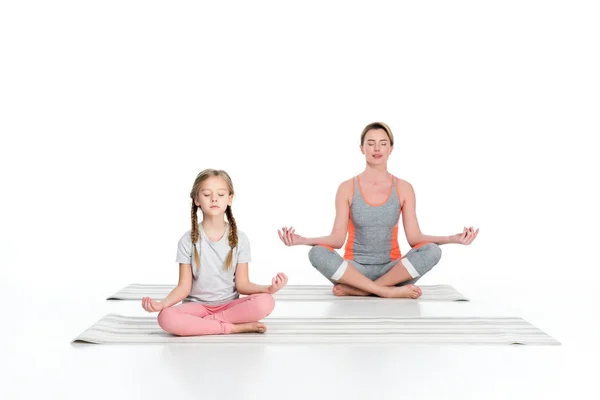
294	292
115	328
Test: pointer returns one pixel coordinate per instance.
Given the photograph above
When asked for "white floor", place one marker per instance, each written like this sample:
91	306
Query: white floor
39	360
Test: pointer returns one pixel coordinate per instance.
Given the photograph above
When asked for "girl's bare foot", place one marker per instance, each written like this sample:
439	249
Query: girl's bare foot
345	290
249	327
406	291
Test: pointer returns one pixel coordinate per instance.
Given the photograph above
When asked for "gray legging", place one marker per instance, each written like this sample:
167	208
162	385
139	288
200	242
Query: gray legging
418	262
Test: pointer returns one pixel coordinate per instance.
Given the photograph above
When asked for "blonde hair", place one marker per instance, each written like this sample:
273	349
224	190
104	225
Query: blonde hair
377	125
233	237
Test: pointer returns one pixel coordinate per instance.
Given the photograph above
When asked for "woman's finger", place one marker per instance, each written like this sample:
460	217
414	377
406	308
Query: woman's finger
471	237
465	237
286	239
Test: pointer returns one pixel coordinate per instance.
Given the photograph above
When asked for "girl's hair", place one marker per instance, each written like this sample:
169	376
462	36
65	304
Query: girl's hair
233	237
377	125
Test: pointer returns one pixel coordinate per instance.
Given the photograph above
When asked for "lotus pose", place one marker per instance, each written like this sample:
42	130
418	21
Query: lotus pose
213	262
368	209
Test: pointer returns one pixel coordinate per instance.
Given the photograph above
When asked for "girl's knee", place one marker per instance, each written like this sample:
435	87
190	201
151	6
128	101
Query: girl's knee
167	319
265	304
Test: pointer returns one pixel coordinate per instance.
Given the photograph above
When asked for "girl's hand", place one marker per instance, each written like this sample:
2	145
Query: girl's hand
290	238
277	283
466	237
152	305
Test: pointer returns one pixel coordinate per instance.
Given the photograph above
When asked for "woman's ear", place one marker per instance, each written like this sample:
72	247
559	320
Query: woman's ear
230	200
362	149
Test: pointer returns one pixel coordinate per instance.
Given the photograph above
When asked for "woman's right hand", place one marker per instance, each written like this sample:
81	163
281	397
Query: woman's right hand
152	305
290	238
466	237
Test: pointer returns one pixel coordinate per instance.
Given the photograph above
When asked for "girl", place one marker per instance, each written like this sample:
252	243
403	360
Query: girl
368	209
213	270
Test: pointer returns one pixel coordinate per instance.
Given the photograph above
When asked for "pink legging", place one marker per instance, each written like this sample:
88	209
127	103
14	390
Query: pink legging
191	319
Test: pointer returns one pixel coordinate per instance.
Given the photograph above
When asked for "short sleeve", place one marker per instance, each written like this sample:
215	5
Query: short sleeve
185	249
243	248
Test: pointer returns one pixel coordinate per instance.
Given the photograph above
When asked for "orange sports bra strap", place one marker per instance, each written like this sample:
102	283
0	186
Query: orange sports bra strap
398	192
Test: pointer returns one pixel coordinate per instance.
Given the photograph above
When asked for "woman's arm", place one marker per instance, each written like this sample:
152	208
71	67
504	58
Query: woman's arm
180	292
244	286
337	237
413	233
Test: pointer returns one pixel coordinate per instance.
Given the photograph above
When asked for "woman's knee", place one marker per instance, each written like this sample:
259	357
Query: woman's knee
434	252
325	260
423	259
317	254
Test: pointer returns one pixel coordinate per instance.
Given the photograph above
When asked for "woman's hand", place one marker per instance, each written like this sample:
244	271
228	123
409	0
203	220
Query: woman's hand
277	283
466	237
290	238
152	305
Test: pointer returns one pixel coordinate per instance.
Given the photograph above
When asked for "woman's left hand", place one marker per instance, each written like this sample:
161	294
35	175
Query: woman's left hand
277	283
466	237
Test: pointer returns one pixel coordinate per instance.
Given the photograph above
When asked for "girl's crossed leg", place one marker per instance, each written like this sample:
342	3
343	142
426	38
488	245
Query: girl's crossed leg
237	316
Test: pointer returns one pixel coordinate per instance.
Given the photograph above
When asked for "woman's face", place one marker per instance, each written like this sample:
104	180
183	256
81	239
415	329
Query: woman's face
376	146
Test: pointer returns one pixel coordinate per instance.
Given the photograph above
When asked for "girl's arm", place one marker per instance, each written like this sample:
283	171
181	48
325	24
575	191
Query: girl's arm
413	233
337	237
244	286
180	292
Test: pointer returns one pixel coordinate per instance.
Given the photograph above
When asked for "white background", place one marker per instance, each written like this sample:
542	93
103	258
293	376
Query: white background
108	110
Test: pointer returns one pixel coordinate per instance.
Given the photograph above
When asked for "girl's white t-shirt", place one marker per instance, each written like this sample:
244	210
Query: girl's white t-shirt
213	285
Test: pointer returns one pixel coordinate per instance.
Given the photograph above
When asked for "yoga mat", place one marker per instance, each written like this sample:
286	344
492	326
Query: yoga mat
114	328
296	293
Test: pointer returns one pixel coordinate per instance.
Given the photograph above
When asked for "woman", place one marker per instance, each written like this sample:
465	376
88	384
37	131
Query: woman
368	209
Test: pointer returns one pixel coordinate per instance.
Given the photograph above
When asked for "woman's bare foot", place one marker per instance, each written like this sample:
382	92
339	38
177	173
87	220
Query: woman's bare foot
406	291
249	327
346	290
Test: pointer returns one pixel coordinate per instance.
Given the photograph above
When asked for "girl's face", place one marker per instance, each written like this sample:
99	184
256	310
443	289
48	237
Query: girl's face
213	196
376	147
